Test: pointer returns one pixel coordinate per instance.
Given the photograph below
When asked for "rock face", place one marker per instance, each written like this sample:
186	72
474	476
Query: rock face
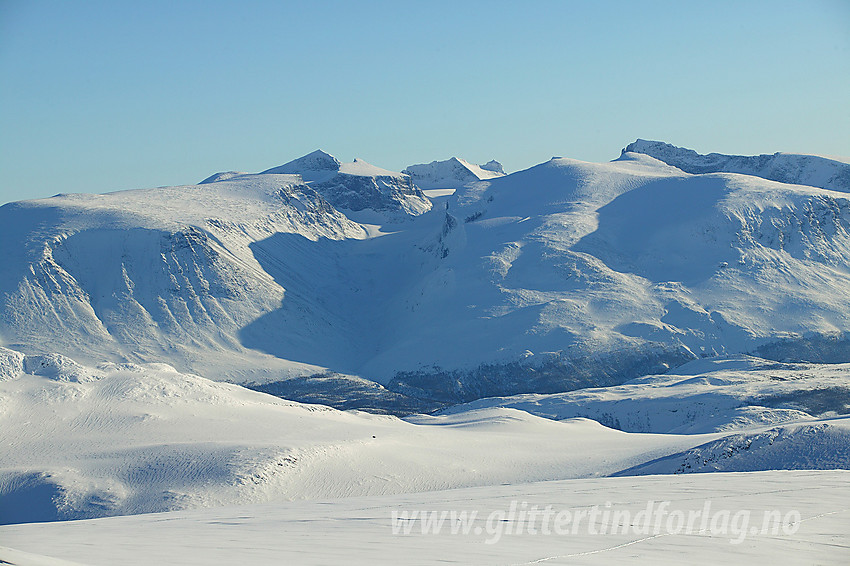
791	168
390	193
357	186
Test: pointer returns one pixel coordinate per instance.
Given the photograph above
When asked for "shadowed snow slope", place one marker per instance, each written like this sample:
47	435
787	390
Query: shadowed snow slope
565	275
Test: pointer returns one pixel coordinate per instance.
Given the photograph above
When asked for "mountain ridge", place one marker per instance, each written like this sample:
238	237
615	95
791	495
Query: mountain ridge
563	275
813	170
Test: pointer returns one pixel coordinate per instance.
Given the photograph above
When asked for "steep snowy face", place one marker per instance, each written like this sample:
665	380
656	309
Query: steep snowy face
791	168
160	274
358	186
317	165
452	173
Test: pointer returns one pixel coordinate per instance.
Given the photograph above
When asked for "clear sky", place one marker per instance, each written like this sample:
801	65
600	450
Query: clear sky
99	96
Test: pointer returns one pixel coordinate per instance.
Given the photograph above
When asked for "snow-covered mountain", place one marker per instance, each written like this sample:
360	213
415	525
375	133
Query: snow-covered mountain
813	170
356	186
343	284
154	275
452	173
571	273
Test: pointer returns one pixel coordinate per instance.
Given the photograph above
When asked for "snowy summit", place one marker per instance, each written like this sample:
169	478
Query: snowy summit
452	173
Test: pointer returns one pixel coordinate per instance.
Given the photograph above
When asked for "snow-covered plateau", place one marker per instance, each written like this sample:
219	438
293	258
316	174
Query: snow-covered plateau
278	361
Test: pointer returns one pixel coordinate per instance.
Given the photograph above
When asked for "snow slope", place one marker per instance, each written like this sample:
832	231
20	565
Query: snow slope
573	269
79	442
359	530
155	275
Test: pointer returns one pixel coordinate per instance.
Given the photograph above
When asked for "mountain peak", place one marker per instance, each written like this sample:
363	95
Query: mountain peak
309	165
452	173
493	166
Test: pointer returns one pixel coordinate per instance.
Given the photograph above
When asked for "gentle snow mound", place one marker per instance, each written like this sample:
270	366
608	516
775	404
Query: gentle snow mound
317	164
59	368
11	364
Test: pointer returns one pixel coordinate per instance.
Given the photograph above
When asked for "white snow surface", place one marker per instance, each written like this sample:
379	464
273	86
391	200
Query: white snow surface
81	442
124	315
359	530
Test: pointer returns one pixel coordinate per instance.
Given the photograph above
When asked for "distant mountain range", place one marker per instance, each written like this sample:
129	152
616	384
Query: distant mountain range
356	286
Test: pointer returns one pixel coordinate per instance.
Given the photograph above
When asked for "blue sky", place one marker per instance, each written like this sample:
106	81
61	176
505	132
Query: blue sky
100	96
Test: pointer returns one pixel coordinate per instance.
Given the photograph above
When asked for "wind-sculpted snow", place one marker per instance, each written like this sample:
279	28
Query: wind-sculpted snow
791	168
